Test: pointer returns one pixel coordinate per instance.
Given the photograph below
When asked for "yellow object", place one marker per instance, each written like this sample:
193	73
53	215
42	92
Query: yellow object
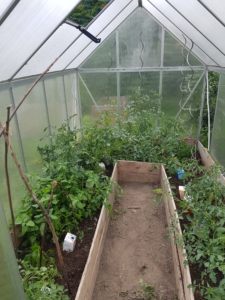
182	192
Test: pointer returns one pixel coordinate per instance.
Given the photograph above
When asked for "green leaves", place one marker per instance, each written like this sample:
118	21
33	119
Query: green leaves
30	223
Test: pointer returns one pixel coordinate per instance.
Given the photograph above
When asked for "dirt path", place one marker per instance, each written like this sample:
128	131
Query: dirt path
136	247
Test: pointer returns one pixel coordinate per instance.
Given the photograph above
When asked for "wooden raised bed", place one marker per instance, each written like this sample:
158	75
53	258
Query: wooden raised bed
133	172
141	172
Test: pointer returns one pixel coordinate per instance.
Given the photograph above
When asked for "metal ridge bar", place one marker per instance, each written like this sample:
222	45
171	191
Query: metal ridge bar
145	69
189	96
50	74
195	27
217	69
181	31
100	33
211	12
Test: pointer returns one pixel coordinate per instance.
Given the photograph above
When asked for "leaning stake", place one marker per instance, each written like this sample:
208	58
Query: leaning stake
8	184
40	206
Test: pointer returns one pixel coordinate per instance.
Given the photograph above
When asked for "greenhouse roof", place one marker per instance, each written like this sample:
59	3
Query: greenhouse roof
34	33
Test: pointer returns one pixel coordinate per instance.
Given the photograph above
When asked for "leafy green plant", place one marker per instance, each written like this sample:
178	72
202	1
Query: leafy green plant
147	291
40	283
33	257
204	233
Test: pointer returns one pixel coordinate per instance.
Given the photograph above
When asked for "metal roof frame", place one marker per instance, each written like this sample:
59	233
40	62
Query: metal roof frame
207	48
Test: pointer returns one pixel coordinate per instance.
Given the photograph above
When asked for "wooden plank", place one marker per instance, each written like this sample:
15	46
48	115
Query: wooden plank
19	239
207	160
176	263
138	171
190	141
136	177
89	276
185	271
205	157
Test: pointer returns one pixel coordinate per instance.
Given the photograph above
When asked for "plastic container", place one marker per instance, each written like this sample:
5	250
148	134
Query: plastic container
69	242
180	174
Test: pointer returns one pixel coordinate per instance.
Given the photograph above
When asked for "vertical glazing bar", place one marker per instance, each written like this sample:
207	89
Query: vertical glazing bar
161	64
78	100
18	131
118	73
64	94
46	110
201	110
208	108
217	101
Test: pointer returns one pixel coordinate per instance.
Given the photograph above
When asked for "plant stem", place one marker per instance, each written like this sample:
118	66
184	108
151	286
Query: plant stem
67	196
8	184
41	207
45	226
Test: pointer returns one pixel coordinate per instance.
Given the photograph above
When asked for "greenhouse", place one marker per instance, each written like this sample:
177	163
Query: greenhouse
147	60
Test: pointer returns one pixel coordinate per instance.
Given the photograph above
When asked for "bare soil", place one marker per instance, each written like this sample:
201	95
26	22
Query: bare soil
136	247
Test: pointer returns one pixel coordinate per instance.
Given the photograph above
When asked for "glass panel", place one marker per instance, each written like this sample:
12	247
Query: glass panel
218	137
26	28
53	47
191	112
176	55
56	100
176	32
217	7
189	30
176	90
72	105
17	189
103	89
146	81
32	120
10	280
140	41
103	26
206	24
104	57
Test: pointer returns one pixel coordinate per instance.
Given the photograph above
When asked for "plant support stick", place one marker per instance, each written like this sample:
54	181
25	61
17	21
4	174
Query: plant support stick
45	227
40	206
8	184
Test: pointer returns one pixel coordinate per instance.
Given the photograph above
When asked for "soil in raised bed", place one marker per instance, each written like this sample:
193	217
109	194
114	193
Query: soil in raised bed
136	247
74	261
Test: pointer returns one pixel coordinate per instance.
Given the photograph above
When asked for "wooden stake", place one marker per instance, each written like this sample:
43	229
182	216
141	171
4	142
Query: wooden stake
41	207
45	226
8	184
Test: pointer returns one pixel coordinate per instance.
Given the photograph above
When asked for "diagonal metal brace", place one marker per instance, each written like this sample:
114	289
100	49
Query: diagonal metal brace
189	96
